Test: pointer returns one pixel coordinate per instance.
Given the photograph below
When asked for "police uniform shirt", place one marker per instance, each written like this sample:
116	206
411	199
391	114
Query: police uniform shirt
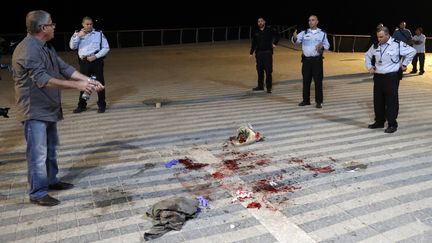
420	48
387	56
309	39
89	44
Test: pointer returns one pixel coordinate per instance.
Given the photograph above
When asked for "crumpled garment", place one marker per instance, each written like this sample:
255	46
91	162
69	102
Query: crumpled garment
170	214
246	135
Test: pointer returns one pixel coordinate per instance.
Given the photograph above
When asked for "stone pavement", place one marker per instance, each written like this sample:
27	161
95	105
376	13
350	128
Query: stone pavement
319	176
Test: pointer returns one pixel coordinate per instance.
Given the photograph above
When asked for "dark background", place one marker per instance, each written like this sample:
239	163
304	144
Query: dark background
335	17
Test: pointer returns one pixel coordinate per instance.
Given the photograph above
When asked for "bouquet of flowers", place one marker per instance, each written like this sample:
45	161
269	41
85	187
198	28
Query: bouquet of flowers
246	135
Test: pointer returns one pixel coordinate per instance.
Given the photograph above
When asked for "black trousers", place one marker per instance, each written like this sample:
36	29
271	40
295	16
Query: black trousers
264	62
93	68
417	57
312	68
386	98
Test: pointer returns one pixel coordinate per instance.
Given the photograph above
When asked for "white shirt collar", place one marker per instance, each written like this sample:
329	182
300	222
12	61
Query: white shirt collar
314	31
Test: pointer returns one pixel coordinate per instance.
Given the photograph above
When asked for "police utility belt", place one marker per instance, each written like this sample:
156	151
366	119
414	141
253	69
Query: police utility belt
84	58
304	58
312	57
387	74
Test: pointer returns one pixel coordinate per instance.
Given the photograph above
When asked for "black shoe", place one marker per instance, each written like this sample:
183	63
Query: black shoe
101	109
61	186
413	71
269	91
376	125
46	201
303	103
421	72
390	129
258	89
318	105
79	109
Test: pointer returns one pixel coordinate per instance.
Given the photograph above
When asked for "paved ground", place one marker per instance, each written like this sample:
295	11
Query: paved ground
336	180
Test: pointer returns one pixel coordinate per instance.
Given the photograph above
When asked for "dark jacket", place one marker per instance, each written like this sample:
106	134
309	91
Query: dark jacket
403	35
263	40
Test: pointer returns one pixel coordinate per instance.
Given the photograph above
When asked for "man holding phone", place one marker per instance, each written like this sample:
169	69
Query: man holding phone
92	47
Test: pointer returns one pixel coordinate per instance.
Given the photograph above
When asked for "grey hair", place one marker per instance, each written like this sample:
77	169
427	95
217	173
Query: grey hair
35	19
383	28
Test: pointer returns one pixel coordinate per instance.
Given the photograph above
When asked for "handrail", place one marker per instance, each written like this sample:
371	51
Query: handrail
366	36
171	29
147	37
287	29
351	42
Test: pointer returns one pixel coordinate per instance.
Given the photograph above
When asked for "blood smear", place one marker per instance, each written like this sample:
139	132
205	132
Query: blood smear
218	175
189	164
254	205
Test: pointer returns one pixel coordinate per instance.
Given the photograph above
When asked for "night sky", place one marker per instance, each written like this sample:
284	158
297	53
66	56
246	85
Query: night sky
127	14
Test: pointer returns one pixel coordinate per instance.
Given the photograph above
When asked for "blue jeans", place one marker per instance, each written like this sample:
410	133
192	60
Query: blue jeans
42	142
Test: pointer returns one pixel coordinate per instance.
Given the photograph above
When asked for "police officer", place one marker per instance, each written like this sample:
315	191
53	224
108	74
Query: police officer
314	42
419	44
263	41
92	48
391	55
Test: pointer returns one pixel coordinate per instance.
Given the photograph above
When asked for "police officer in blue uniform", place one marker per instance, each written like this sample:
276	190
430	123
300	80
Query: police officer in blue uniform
419	44
92	47
314	42
392	57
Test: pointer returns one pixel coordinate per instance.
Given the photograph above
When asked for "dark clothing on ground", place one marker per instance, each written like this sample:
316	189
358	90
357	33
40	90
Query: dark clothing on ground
170	214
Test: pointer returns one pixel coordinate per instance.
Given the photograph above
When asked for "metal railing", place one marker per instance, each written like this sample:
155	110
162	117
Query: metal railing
350	43
152	37
160	37
359	43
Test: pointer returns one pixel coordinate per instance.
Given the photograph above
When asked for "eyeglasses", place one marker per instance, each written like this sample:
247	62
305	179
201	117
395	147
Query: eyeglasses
52	25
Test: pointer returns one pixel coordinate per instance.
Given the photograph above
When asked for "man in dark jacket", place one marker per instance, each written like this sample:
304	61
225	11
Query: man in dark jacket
263	41
403	34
